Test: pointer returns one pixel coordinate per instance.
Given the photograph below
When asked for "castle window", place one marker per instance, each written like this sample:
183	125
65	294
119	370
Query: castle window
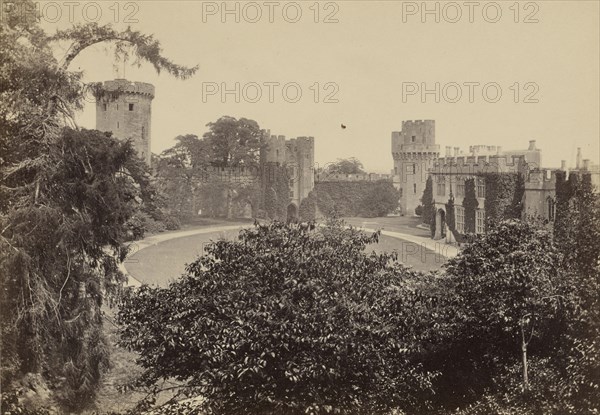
480	187
277	153
414	169
104	107
415	188
460	188
130	107
414	137
143	133
118	125
117	107
480	221
395	169
400	192
441	185
460	218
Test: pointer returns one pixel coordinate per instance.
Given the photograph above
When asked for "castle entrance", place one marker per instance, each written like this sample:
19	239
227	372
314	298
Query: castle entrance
440	224
292	213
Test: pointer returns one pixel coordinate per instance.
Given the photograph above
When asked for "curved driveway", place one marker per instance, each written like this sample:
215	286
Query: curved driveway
159	259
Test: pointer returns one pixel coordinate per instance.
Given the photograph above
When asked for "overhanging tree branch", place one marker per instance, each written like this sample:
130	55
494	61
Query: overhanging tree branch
128	42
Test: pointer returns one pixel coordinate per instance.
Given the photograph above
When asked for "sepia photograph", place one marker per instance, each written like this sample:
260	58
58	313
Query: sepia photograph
354	207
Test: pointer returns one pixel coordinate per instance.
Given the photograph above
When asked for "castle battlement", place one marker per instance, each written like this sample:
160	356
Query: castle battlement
411	123
364	177
129	87
479	165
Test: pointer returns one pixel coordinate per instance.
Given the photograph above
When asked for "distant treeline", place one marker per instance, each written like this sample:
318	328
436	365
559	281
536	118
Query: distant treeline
364	199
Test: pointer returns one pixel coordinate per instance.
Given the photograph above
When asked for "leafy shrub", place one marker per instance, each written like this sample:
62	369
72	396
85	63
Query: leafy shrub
288	320
172	223
419	210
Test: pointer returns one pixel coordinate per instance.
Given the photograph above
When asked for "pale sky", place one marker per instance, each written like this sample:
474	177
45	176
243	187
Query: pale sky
373	51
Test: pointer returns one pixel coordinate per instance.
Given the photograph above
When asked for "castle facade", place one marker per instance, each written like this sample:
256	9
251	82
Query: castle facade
124	108
417	158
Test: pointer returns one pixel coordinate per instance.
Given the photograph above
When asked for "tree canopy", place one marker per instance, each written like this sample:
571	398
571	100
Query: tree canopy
234	142
289	319
65	199
345	166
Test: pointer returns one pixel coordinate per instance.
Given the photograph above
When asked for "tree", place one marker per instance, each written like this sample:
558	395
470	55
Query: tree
470	204
427	202
381	199
188	172
289	319
506	284
576	231
276	194
234	142
65	199
308	207
346	166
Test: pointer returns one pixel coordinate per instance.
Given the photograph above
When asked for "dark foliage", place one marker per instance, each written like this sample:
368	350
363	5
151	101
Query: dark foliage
365	199
288	320
470	204
503	197
428	203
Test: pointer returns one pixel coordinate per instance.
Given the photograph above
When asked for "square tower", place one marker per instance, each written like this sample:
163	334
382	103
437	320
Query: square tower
414	151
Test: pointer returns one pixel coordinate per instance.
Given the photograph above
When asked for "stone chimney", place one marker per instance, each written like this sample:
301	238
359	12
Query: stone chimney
499	150
448	151
532	145
578	161
563	165
456	151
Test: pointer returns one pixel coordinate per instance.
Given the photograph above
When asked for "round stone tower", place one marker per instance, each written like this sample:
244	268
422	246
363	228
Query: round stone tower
414	151
125	109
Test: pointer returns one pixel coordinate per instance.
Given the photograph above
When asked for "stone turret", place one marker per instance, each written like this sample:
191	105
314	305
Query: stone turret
414	151
297	154
125	109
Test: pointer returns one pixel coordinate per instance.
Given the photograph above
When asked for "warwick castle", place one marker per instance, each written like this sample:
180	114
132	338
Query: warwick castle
125	110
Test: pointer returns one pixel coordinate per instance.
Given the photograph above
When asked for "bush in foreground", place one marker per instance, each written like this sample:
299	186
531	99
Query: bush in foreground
289	319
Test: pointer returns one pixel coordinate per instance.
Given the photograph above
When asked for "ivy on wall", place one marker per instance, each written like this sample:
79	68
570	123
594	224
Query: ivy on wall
364	198
451	221
564	193
576	221
276	194
470	204
503	197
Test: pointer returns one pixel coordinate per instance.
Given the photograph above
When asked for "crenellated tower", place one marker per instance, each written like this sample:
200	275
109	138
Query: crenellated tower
125	109
297	154
414	151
